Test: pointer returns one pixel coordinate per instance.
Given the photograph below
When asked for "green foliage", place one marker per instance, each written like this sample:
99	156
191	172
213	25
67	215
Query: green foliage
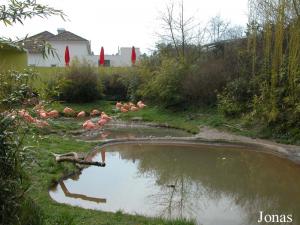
120	84
115	86
52	88
31	213
165	85
80	83
166	80
15	87
202	81
15	206
271	94
16	11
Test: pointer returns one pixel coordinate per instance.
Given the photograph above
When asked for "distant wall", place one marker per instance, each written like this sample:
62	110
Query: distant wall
12	59
122	59
79	50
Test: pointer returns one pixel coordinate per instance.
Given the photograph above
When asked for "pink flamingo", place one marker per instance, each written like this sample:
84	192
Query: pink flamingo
140	104
124	110
88	125
131	104
102	122
118	105
105	116
126	106
43	114
95	112
81	114
68	111
53	114
134	109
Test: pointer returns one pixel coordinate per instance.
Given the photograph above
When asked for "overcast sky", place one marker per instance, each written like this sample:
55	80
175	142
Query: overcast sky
124	23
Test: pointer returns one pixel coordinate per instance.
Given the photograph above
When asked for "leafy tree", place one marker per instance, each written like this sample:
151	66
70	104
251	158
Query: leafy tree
17	11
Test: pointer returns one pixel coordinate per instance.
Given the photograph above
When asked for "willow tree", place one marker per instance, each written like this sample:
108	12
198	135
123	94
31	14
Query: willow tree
280	34
294	54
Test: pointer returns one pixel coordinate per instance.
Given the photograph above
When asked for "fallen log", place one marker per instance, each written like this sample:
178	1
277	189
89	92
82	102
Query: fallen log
75	158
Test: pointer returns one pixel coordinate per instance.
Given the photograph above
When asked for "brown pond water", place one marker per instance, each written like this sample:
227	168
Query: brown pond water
117	130
212	185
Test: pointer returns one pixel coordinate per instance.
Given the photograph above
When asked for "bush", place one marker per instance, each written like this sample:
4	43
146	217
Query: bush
120	84
203	80
165	85
15	206
235	99
16	87
81	84
115	87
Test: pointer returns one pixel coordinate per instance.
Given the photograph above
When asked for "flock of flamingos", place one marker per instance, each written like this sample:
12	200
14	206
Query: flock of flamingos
87	125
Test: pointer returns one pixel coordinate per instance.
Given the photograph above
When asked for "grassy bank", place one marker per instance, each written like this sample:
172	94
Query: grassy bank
190	120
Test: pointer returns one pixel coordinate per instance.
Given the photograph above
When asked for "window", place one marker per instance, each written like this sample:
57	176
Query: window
107	63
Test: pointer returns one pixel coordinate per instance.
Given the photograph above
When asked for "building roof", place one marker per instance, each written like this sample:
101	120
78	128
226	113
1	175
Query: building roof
66	36
35	43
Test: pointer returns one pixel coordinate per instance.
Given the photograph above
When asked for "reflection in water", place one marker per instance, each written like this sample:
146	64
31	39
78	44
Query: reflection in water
83	197
115	131
212	186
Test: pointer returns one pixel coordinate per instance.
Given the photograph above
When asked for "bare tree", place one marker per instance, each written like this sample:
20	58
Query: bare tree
218	28
169	25
177	28
234	32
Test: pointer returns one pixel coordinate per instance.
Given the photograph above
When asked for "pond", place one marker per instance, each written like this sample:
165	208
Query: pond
211	185
127	130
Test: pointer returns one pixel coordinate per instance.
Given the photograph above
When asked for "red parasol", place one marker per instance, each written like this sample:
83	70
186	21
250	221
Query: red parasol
101	60
133	55
67	56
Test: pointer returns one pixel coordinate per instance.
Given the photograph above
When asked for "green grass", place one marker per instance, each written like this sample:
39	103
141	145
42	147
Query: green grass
189	120
192	120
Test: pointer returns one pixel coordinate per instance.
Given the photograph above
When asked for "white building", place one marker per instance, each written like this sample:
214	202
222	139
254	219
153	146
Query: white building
79	48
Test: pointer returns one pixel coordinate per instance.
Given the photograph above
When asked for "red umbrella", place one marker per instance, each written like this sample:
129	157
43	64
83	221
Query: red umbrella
133	56
101	60
67	56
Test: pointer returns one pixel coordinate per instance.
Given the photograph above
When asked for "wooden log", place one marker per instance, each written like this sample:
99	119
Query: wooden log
73	158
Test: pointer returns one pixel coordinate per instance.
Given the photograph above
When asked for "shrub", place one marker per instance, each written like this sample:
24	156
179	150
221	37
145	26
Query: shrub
52	88
15	206
165	85
81	84
16	87
115	87
203	80
120	83
236	97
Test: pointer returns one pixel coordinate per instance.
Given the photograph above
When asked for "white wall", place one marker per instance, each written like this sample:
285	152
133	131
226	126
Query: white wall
123	58
79	49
